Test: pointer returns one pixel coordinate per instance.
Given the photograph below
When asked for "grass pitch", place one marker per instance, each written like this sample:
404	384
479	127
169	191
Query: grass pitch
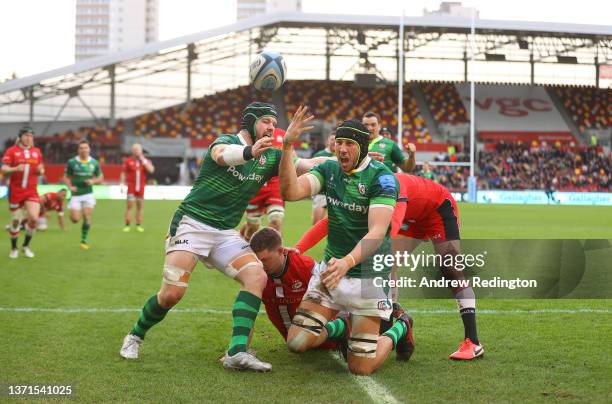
63	316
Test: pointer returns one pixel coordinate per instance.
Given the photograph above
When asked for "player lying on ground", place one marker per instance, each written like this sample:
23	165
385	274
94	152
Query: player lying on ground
81	174
23	163
52	201
289	273
202	229
361	194
268	200
135	170
288	276
319	204
425	211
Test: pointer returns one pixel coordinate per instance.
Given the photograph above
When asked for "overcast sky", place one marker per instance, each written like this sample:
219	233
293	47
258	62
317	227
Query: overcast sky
38	35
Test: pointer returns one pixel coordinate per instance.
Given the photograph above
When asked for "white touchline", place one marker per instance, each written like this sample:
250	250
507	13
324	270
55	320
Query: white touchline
222	311
377	392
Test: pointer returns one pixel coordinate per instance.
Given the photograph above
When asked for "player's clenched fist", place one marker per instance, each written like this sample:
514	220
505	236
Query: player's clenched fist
261	146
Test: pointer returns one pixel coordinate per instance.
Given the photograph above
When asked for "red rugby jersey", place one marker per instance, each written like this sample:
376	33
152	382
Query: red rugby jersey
283	294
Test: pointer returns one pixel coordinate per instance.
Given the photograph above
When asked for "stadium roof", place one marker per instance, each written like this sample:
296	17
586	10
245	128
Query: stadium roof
154	75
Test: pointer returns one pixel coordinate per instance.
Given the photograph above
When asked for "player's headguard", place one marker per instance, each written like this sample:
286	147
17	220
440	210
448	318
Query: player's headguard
253	113
355	131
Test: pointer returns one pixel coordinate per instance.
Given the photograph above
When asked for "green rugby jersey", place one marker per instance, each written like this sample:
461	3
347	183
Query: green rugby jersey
221	194
393	154
78	171
323	153
349	198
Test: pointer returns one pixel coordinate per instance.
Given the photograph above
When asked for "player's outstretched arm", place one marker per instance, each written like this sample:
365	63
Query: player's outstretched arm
293	188
312	237
379	218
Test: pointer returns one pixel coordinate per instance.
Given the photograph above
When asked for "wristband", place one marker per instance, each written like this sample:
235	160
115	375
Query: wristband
352	259
247	153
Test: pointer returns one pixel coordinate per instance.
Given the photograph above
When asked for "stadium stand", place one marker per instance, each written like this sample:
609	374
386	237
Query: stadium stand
589	107
205	117
445	103
334	101
522	166
104	142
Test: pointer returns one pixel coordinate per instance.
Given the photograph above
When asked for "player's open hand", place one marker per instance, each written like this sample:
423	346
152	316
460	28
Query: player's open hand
336	269
261	146
377	156
298	125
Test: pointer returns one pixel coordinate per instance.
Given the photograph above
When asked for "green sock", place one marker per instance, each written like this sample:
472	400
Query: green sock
244	314
84	230
396	332
336	328
151	314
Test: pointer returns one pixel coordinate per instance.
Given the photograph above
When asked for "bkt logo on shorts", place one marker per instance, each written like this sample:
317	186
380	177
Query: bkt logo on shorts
384	305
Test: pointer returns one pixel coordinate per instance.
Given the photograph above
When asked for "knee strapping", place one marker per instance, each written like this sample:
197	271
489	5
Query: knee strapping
176	276
363	345
253	218
276	212
309	321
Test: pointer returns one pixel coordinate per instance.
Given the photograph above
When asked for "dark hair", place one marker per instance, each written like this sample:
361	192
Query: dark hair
83	141
265	239
62	190
25	129
371	114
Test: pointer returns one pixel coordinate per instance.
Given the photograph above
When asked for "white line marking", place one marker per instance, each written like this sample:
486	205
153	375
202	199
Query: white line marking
220	311
377	392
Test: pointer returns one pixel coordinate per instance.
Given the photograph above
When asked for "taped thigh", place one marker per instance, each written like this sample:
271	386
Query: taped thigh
236	265
176	276
363	345
310	321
